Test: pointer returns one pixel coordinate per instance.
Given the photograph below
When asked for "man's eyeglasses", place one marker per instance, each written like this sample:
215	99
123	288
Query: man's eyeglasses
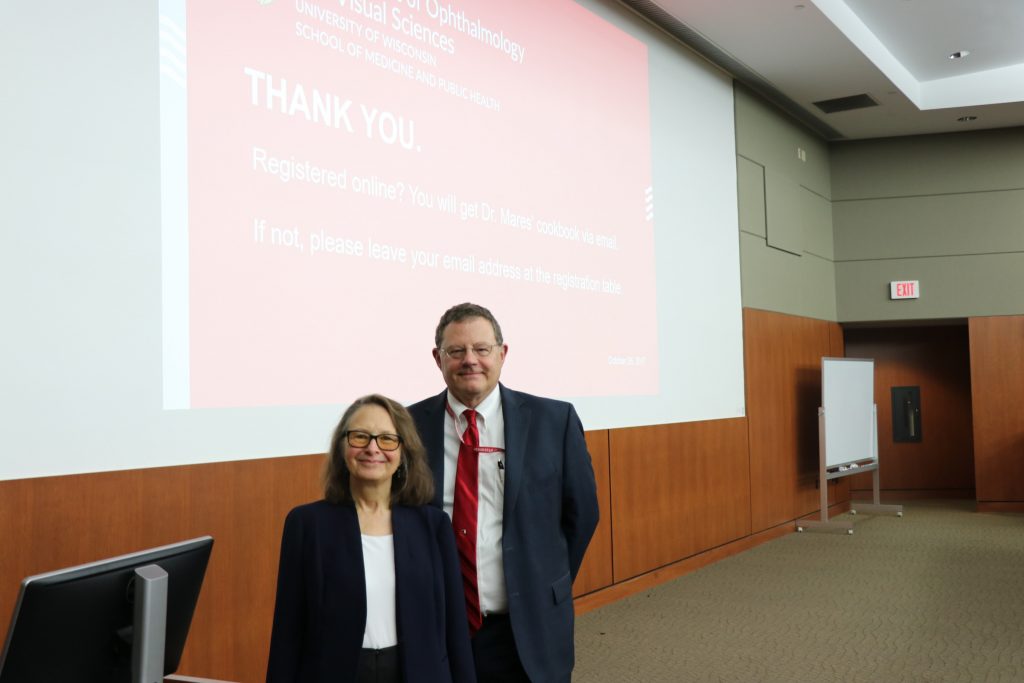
361	439
479	350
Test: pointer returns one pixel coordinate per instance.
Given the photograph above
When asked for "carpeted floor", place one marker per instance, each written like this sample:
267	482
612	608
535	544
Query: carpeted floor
937	595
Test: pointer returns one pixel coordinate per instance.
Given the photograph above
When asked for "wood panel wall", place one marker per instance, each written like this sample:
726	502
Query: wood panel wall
680	489
673	498
596	572
997	388
936	359
54	522
684	495
783	378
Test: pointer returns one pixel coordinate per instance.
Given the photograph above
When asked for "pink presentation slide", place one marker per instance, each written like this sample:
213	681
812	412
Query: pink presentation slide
356	167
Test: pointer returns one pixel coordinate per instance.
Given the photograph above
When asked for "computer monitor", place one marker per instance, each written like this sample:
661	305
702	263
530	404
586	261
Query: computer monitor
78	625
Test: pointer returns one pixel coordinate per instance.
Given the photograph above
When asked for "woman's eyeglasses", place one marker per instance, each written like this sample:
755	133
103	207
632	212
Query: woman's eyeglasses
360	439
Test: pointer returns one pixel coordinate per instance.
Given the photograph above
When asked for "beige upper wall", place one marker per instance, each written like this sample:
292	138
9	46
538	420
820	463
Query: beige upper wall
947	210
786	237
822	238
928	164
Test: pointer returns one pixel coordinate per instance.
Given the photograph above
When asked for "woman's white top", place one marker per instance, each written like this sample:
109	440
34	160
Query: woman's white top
379	567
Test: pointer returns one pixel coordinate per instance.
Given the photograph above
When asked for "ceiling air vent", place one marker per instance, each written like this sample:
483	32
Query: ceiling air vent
742	73
846	103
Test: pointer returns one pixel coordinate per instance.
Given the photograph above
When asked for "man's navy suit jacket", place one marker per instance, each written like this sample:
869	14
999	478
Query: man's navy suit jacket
550	514
320	615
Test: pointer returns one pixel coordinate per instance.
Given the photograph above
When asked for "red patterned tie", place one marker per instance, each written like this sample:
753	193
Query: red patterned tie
464	517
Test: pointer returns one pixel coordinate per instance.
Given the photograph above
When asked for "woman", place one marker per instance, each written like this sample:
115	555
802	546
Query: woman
369	586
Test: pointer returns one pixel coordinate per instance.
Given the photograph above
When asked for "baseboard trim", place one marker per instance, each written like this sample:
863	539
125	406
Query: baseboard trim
899	495
1000	506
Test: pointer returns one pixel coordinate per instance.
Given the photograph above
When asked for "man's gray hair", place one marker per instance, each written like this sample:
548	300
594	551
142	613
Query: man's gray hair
461	312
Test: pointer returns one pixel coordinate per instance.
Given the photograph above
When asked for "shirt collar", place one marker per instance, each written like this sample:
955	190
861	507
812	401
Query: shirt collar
486	409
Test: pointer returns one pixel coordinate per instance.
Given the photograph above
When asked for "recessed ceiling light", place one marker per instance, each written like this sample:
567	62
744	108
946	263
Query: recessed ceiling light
967	119
960	54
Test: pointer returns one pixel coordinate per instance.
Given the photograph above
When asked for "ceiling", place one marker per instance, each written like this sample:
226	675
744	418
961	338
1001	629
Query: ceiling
798	52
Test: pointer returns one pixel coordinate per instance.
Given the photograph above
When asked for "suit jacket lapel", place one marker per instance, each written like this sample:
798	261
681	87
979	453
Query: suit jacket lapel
517	426
401	541
433	441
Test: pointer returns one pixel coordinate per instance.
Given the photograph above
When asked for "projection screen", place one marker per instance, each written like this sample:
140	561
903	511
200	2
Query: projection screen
224	221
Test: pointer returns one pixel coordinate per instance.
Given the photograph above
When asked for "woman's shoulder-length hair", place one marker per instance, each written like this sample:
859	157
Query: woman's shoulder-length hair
412	484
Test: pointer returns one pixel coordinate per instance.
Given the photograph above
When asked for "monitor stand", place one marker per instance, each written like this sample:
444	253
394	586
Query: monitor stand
149	625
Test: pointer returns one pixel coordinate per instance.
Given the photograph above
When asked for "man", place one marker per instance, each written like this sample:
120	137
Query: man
514	473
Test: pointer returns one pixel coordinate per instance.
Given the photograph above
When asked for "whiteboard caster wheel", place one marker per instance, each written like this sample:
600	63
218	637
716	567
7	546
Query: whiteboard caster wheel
799	529
849	532
853	512
899	514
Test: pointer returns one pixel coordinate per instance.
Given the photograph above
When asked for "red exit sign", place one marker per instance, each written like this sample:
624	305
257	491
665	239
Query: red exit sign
905	289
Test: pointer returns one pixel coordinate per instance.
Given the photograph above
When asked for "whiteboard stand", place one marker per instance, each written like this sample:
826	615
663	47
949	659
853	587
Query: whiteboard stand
828	472
875	507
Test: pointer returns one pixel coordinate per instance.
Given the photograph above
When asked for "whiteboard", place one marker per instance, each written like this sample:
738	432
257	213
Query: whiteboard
848	399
